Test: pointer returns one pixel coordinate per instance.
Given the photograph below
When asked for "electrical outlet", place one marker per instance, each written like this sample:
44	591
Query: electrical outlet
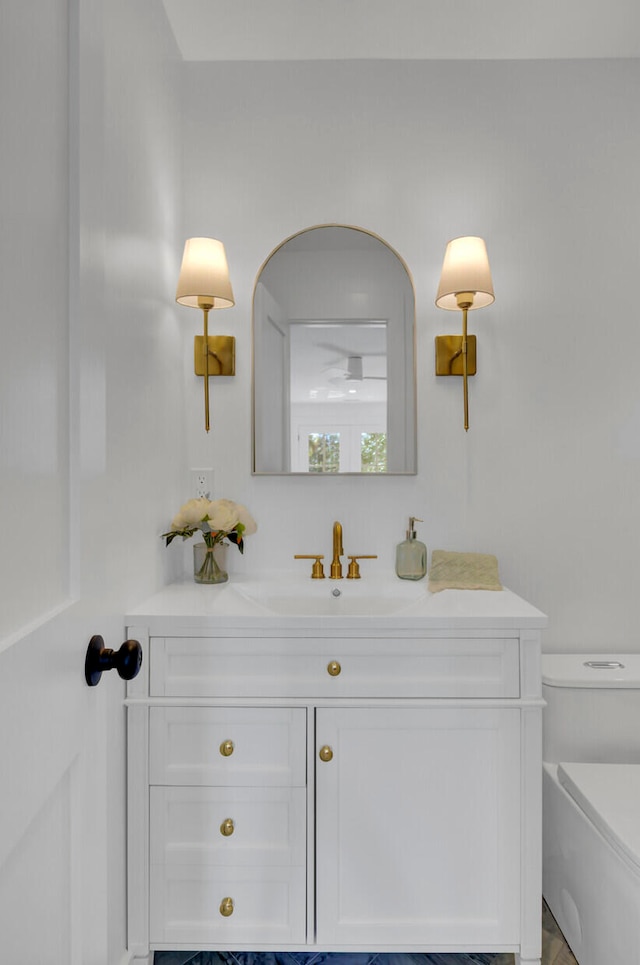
201	482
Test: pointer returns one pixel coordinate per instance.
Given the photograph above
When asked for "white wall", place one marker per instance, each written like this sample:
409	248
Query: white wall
540	158
143	446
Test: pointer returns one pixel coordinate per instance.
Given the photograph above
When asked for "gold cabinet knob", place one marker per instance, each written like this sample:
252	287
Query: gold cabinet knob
333	668
227	827
325	754
226	907
226	748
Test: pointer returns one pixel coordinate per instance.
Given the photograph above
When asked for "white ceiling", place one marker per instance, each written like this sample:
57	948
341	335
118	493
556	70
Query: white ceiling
404	29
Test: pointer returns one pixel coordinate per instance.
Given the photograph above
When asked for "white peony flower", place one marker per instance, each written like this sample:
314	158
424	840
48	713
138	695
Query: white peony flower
247	520
192	513
223	515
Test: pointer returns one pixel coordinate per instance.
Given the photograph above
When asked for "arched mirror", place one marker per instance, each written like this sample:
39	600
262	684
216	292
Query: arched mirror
333	356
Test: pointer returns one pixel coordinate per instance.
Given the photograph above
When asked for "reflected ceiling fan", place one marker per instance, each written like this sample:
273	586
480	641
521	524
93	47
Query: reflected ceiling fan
342	352
353	372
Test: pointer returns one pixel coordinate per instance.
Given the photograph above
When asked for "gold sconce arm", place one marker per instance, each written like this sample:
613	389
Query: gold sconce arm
221	348
465	369
205	312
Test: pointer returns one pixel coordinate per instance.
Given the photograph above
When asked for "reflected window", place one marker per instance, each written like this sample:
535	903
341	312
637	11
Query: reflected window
324	452
373	452
341	448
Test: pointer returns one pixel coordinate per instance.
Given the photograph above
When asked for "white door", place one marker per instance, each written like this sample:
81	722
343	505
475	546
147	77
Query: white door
54	820
417	827
62	830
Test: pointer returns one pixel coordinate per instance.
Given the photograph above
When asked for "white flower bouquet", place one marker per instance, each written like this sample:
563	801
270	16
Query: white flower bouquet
217	520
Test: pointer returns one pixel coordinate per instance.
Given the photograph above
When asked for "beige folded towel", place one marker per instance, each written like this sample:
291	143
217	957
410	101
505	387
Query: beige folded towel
463	571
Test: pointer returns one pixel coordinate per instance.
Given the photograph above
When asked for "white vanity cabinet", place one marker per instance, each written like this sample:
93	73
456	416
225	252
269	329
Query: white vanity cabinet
336	786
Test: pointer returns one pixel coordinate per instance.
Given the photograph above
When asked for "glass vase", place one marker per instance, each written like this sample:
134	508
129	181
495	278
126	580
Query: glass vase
205	565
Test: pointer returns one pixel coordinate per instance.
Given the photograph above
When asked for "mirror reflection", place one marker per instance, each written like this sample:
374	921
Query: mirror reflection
333	356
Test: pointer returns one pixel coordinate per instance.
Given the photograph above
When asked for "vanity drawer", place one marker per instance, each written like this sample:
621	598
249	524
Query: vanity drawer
272	667
268	905
227	746
228	827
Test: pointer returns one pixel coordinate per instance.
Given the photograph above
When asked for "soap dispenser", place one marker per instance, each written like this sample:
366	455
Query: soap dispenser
411	555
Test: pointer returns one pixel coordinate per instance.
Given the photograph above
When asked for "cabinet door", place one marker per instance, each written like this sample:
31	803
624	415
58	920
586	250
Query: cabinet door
418	816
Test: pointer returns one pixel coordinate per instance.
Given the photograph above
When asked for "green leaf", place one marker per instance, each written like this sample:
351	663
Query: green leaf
170	536
236	537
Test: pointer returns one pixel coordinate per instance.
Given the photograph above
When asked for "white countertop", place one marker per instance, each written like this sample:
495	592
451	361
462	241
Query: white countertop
384	603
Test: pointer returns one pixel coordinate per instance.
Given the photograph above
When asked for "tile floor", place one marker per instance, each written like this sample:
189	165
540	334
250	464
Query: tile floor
555	951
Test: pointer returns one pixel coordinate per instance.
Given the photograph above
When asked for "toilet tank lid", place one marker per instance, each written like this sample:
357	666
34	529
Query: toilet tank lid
597	670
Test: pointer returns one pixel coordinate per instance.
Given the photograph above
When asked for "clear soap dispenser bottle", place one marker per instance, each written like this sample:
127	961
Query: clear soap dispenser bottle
411	555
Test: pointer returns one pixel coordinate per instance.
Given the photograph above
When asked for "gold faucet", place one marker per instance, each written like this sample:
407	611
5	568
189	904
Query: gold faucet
336	565
317	571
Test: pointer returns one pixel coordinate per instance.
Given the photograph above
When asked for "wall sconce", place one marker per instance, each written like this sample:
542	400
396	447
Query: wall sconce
465	284
204	283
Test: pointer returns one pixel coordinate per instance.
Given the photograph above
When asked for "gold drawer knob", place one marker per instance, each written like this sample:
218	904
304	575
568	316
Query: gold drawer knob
226	748
226	907
333	668
227	827
325	753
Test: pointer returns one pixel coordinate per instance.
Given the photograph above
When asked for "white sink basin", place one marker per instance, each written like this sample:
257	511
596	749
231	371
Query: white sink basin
364	597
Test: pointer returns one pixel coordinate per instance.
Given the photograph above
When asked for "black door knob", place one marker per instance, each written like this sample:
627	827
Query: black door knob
127	660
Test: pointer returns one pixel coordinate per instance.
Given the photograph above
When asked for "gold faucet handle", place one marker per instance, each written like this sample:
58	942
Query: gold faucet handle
353	572
317	572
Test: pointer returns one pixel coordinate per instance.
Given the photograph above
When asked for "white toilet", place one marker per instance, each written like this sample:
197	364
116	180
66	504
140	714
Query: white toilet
591	803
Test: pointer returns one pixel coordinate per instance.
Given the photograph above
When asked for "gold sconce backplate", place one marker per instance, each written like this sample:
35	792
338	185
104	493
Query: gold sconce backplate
222	355
449	355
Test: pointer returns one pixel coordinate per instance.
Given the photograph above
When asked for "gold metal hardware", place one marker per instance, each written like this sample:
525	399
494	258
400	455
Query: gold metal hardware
333	668
325	753
449	355
338	551
227	748
222	349
227	827
226	907
353	572
464	350
317	571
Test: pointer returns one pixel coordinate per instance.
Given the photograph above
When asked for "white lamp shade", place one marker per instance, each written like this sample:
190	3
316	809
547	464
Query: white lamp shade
204	275
465	269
